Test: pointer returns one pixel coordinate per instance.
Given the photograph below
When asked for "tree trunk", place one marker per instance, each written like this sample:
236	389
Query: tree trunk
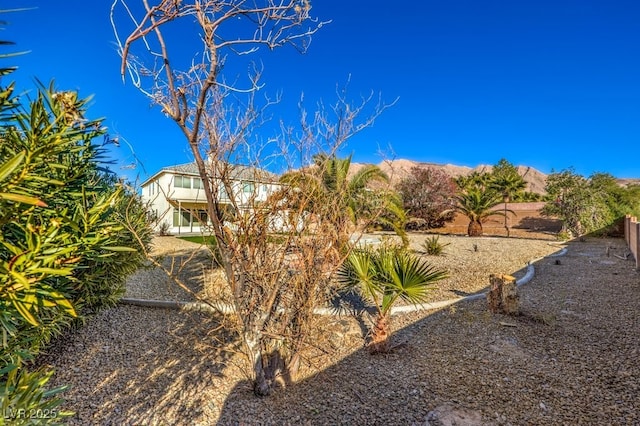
261	384
380	334
474	229
506	218
503	297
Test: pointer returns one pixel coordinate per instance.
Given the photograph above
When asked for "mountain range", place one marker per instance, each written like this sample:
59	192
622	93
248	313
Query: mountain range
400	168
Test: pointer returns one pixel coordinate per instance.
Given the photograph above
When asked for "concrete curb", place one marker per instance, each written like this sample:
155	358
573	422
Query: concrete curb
227	309
437	305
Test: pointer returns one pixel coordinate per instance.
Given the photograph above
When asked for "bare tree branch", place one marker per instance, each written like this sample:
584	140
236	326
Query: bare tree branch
275	279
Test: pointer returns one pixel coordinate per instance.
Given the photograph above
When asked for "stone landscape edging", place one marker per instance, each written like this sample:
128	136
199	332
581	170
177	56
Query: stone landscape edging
227	309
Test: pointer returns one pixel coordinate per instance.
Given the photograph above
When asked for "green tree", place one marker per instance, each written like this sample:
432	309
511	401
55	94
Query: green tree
385	276
621	200
631	199
478	205
586	205
70	234
474	180
506	180
359	198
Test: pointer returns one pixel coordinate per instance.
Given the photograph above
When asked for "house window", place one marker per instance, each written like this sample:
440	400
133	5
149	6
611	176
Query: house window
248	187
182	181
197	183
181	217
187	217
223	195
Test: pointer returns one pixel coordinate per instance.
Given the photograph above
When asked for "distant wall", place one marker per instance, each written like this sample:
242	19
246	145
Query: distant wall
538	205
526	221
631	236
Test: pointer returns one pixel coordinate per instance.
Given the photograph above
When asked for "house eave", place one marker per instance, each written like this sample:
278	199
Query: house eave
166	171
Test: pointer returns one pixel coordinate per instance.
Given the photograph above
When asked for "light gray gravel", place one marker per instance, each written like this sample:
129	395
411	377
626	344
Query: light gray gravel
570	358
466	259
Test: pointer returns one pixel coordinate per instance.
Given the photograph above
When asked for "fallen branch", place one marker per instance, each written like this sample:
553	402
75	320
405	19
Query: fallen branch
625	257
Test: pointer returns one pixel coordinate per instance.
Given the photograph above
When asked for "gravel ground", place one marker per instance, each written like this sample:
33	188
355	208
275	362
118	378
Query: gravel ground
467	261
570	358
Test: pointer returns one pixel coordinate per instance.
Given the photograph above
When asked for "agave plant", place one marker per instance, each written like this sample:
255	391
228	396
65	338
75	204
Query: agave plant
386	275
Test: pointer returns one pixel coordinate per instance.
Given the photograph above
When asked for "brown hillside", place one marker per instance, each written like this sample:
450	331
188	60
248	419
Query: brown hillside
628	182
399	169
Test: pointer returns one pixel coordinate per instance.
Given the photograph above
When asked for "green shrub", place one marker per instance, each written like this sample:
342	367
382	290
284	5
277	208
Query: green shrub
70	232
24	401
432	246
385	275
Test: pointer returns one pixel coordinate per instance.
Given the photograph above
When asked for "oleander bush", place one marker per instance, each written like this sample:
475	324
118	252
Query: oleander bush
70	234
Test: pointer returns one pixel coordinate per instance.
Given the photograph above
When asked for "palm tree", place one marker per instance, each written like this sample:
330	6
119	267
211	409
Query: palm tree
474	180
477	204
506	181
328	189
385	276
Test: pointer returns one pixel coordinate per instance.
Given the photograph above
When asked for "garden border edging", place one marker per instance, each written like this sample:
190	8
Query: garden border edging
227	309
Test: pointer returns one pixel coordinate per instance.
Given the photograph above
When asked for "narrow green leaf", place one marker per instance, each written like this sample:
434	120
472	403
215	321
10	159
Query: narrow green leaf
18	198
50	271
24	312
119	248
65	304
21	279
46	179
7	168
8	368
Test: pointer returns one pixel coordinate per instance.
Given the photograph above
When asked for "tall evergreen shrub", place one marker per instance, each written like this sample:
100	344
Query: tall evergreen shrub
70	234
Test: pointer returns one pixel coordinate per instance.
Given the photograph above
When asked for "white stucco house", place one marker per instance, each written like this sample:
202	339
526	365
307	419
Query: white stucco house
175	195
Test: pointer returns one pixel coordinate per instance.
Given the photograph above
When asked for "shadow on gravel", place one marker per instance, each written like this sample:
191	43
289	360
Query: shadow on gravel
134	366
188	265
536	224
566	360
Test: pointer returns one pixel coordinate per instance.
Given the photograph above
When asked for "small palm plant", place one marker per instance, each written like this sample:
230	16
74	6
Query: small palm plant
433	247
478	204
386	275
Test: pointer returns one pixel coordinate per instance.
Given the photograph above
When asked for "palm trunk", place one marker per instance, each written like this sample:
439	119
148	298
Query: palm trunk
380	336
475	228
506	219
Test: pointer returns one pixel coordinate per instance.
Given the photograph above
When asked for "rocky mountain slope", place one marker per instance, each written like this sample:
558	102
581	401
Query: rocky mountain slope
401	168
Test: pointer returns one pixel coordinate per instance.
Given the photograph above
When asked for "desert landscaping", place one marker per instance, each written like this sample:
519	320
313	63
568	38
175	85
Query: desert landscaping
211	233
569	357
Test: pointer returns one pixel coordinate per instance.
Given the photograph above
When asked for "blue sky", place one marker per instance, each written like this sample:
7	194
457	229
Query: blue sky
548	84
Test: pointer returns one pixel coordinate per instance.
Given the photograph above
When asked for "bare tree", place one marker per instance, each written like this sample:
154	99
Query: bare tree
273	282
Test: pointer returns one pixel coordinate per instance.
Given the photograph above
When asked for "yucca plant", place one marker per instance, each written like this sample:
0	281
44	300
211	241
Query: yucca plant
385	275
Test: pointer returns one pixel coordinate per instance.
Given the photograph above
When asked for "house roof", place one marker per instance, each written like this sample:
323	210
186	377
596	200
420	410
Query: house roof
187	168
236	172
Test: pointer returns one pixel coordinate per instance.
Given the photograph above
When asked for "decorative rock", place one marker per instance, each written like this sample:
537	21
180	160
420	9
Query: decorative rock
448	415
